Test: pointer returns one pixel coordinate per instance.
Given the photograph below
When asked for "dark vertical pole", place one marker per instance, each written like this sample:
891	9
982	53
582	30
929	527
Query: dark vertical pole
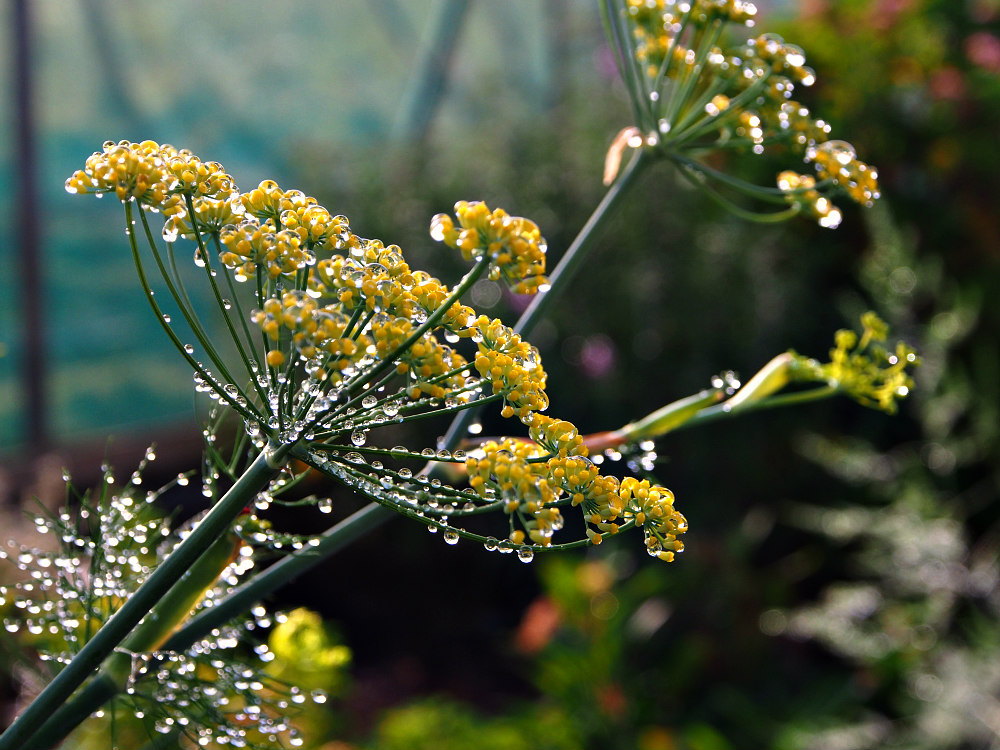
432	78
28	245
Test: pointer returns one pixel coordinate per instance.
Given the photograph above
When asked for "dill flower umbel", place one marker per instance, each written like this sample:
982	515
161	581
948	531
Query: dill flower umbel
693	92
336	338
514	245
862	368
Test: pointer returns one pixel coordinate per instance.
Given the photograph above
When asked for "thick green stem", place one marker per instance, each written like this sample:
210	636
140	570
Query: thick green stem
142	602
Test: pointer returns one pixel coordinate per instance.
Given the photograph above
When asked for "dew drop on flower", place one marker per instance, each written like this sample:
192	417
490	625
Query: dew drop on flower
437	227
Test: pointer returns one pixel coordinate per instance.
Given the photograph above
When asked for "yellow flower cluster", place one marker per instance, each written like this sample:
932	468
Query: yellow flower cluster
652	508
318	333
769	52
656	24
838	161
154	175
533	481
862	368
211	215
512	366
435	369
296	212
251	245
801	188
514	244
703	95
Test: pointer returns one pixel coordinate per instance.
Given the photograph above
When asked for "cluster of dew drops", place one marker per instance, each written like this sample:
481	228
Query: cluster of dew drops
100	551
239	703
94	552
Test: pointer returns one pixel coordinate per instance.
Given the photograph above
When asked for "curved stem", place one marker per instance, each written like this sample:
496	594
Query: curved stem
723	410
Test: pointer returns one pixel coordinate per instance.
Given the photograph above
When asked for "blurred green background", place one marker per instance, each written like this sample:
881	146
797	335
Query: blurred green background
840	587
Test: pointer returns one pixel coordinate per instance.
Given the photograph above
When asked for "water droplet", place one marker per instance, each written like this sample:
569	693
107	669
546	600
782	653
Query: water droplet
369	401
490	544
525	554
451	536
405	473
325	505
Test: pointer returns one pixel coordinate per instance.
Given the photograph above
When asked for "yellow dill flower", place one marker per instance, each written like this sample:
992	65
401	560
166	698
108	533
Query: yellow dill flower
193	177
652	508
862	368
838	162
693	93
250	246
801	190
211	215
558	436
512	366
514	245
129	170
317	333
